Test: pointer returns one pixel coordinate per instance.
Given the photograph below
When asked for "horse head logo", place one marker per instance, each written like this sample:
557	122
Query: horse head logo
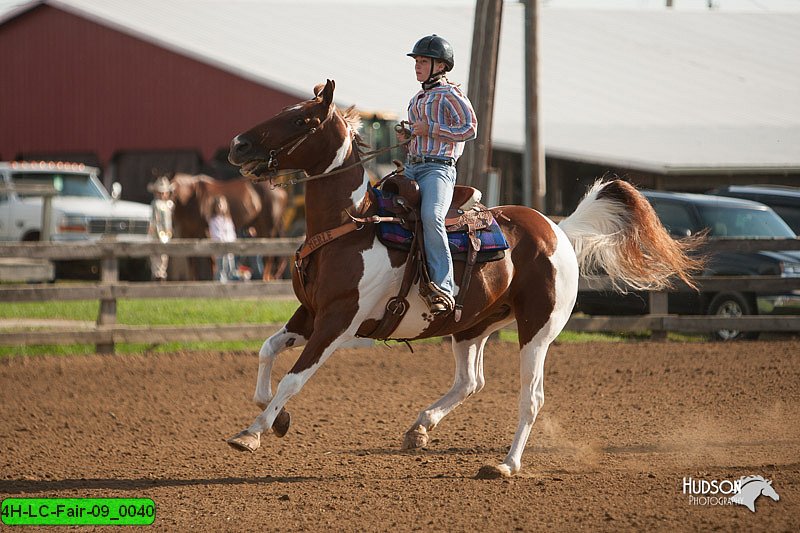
750	488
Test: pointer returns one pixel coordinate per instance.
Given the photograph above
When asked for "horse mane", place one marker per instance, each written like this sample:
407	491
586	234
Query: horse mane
353	119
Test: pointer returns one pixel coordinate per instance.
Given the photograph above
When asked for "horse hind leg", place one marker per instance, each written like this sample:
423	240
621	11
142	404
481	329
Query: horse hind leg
531	399
468	381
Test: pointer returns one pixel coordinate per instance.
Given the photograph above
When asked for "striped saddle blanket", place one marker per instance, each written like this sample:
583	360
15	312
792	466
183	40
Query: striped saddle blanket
492	240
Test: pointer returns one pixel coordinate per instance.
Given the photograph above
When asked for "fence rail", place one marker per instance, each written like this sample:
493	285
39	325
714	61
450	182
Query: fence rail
107	333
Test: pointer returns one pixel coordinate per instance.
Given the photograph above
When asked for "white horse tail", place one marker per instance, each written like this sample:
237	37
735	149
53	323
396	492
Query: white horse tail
615	230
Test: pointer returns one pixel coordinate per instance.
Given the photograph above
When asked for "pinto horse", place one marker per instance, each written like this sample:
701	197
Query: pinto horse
252	205
347	282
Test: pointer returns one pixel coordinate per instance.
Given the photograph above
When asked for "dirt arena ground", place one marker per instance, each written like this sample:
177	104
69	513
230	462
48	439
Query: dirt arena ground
621	427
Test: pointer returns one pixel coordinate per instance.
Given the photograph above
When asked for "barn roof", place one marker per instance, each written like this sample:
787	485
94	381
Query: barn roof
666	91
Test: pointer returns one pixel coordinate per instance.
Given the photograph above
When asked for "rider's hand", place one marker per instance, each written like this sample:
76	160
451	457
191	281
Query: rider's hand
402	133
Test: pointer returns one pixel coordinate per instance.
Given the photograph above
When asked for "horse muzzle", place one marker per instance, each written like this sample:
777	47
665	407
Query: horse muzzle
241	151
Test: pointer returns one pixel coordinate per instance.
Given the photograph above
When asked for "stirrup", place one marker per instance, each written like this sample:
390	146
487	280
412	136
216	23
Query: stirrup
439	302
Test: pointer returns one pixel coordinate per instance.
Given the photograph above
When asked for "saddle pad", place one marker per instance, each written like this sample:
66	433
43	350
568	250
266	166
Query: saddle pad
492	238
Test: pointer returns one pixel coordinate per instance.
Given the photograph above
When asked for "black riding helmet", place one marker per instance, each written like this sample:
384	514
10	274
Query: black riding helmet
434	47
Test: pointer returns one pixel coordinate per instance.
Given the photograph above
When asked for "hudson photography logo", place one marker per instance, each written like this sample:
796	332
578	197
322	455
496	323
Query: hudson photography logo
743	491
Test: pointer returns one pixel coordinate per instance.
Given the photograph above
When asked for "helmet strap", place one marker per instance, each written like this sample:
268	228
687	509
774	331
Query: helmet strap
434	79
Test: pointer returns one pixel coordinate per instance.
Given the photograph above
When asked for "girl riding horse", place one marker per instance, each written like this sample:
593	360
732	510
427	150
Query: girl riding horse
441	119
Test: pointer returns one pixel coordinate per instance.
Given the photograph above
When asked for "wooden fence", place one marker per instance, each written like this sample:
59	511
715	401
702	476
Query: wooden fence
109	289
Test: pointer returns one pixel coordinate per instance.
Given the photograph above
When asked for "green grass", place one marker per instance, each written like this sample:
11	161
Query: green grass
156	312
584	336
192	311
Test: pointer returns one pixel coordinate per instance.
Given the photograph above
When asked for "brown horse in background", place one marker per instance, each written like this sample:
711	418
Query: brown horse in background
252	205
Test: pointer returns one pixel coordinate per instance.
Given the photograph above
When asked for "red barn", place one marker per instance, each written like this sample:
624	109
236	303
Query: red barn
84	91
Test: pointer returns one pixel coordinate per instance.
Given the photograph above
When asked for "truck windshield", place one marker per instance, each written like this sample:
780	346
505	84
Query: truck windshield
727	222
66	184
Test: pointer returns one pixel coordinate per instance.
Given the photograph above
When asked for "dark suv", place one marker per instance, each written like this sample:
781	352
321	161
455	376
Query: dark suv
687	214
784	200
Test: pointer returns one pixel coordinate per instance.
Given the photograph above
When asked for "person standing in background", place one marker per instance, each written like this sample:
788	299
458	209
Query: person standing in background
160	224
221	228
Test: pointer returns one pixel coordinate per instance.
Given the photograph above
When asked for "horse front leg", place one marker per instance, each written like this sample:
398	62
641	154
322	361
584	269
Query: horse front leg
294	334
321	344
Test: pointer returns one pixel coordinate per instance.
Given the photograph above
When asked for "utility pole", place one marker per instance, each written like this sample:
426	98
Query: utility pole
534	184
476	159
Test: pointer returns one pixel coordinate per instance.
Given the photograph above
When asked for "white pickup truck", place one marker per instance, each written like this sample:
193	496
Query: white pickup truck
82	209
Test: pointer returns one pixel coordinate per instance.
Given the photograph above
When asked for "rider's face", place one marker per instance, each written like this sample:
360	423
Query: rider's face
422	67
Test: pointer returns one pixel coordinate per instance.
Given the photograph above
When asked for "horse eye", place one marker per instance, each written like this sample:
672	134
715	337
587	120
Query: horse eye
299	122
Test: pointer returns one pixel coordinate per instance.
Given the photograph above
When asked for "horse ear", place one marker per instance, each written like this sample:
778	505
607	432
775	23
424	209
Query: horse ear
318	88
327	93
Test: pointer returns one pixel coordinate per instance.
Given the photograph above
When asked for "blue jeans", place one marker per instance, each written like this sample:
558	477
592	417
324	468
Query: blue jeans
436	183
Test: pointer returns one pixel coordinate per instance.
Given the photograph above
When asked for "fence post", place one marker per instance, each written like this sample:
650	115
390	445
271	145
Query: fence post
109	275
658	306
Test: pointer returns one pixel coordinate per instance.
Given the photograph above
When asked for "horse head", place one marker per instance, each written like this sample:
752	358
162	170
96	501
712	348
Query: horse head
769	491
751	487
190	214
282	142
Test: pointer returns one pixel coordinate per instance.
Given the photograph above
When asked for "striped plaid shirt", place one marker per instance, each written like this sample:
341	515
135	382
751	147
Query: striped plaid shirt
451	121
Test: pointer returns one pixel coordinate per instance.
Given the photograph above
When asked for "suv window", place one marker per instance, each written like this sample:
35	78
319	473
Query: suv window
65	184
791	214
735	222
675	217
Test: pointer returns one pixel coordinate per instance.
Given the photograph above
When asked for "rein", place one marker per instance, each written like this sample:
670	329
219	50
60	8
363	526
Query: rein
272	163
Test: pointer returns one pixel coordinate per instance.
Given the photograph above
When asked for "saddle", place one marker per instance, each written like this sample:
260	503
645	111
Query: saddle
406	198
473	235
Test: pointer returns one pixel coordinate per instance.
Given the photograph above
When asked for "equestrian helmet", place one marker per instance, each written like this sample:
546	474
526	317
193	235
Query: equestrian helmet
434	47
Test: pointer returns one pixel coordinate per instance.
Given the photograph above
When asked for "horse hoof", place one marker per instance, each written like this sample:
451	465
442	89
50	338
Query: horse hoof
281	424
493	472
415	438
245	441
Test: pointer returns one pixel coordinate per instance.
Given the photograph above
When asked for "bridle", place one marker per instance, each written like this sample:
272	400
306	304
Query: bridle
291	145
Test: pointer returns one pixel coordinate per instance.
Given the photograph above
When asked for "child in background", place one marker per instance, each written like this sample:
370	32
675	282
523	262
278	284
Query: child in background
160	224
221	228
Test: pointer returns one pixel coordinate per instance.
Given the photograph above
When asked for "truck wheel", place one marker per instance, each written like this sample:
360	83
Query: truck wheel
731	304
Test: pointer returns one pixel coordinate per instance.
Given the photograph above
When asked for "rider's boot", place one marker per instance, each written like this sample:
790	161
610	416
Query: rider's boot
439	302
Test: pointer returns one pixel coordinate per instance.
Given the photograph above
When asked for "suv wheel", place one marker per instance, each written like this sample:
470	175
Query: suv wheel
731	304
